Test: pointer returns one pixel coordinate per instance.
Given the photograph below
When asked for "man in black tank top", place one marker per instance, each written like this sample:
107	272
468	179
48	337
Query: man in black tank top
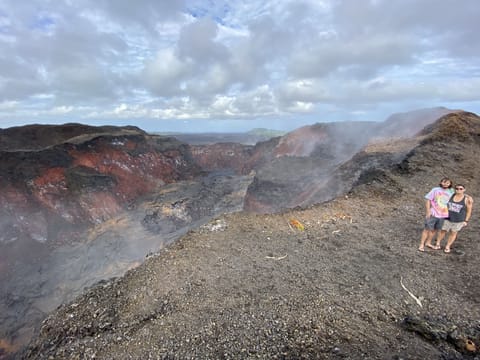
460	208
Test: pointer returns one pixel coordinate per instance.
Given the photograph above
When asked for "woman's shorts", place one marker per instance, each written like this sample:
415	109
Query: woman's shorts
452	226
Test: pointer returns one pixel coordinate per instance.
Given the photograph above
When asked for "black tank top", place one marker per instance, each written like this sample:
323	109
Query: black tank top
457	211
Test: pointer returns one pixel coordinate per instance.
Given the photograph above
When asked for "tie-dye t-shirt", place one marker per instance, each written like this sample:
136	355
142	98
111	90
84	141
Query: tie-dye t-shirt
438	201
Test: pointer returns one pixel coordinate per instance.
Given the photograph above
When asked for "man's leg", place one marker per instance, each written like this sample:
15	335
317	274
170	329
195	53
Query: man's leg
426	234
440	236
428	241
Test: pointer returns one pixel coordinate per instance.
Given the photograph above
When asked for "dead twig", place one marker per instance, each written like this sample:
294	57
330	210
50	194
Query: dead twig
417	300
275	257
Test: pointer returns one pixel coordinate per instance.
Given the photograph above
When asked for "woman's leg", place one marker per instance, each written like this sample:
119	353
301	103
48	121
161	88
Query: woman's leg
451	239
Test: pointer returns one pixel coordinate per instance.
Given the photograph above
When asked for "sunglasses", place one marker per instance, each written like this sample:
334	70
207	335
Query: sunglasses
459	188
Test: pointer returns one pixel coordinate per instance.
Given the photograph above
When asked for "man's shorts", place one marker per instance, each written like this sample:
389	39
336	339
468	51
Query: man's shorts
434	223
452	226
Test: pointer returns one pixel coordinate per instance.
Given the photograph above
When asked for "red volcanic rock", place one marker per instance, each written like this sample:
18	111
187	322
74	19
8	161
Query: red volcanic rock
50	188
58	189
135	174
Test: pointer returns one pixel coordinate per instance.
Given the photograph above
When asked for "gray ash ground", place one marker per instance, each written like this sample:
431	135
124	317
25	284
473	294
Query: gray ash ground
249	286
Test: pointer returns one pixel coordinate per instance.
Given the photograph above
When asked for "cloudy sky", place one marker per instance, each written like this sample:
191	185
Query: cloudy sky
207	65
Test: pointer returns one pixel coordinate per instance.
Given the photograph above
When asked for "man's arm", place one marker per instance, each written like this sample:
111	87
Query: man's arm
427	208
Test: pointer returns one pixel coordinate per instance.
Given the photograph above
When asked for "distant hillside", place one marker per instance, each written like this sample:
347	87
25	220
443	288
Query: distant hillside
267	133
246	138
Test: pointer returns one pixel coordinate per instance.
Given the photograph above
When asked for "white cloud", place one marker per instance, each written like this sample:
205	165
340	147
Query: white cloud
8	105
201	59
197	42
62	110
303	90
165	74
300	107
260	101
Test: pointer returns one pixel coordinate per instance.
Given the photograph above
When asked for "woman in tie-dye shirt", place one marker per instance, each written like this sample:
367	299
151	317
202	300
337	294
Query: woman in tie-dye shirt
436	211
